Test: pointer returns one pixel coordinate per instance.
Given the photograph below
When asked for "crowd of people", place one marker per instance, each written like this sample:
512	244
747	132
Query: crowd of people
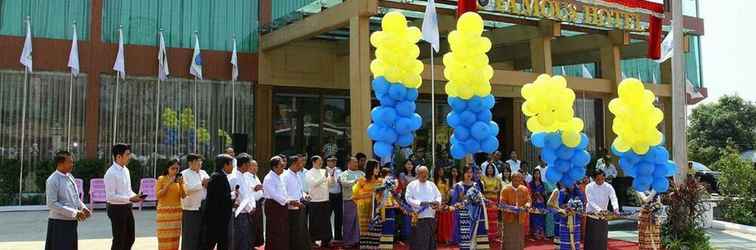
365	206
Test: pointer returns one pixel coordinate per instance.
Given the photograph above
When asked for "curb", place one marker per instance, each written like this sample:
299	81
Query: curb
723	225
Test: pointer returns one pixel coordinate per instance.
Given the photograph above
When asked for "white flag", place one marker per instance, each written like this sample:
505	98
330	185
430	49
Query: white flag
163	71
653	78
119	65
26	53
586	72
234	63
196	68
73	56
564	72
666	48
623	75
430	26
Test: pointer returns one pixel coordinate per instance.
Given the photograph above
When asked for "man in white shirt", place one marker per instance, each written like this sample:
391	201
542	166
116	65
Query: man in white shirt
605	164
514	163
524	169
231	152
299	236
119	197
276	202
244	202
256	218
598	194
195	187
423	193
335	198
318	180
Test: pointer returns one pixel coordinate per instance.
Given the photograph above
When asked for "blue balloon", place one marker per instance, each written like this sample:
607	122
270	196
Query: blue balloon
616	152
453	119
630	170
417	121
388	115
453	139
581	158
405	108
660	170
403	126
467	118
457	104
583	141
671	168
461	133
475	104
376	114
638	186
553	140
577	173
662	155
538	139
386	100
472	146
661	185
645	169
562	165
548	155
624	162
489	101
383	149
374	132
565	153
553	176
405	140
567	181
485	115
412	95
493	129
389	135
645	181
458	151
489	145
397	91
479	130
632	157
380	85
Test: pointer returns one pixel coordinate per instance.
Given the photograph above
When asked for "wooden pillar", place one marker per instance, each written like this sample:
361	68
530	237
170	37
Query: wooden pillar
540	47
92	115
359	83
611	69
517	127
263	125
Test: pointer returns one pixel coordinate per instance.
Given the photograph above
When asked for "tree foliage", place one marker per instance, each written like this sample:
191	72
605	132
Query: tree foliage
731	121
738	186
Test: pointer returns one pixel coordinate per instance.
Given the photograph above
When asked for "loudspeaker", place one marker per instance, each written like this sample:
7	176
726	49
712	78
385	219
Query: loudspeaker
240	142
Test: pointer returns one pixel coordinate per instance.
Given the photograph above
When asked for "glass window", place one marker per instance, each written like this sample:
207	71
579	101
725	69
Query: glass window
182	108
46	129
587	70
642	68
217	21
693	62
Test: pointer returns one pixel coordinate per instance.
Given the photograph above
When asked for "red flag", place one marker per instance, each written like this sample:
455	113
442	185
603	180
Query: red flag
465	6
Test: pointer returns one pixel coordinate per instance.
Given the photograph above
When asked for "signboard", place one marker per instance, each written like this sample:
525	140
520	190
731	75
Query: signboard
567	11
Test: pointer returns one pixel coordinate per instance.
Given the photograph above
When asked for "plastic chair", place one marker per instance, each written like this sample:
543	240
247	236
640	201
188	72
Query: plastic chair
147	187
96	191
80	187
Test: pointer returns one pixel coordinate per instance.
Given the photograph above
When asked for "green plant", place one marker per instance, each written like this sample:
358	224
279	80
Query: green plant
737	185
682	229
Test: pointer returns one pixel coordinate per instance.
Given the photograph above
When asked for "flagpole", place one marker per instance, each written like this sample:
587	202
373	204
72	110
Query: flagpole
115	100
233	95
23	125
157	111
70	103
195	115
433	109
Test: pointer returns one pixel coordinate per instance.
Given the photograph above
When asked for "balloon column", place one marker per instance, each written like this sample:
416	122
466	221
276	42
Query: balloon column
397	77
469	89
548	106
638	142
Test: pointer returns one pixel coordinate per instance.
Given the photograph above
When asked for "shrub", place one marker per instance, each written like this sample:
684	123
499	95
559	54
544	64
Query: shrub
682	229
737	185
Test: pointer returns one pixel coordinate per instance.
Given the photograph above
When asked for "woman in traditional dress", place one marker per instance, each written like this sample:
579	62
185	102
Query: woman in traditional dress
406	175
649	233
454	177
471	233
169	191
491	190
365	196
568	201
389	209
538	197
444	217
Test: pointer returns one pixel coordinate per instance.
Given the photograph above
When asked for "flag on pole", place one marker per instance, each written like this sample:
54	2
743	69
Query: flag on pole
586	72
119	65
666	48
163	71
623	75
196	68
26	53
653	78
73	56
234	63
564	72
430	26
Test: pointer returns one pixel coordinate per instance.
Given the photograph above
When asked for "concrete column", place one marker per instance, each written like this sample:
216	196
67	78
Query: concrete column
263	125
359	84
92	115
540	47
611	69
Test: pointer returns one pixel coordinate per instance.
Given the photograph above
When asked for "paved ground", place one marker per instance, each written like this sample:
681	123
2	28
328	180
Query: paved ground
27	230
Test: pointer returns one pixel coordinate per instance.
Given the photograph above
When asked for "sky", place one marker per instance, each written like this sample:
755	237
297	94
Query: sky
728	49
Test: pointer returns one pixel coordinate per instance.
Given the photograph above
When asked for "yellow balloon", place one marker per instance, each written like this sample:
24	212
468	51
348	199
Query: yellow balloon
470	22
483	90
571	139
377	68
620	145
465	93
534	125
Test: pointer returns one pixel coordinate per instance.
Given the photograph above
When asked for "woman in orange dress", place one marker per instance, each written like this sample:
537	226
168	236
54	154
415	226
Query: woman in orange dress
169	191
365	196
491	190
445	217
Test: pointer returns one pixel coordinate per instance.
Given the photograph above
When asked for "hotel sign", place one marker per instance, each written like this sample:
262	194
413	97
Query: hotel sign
567	11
